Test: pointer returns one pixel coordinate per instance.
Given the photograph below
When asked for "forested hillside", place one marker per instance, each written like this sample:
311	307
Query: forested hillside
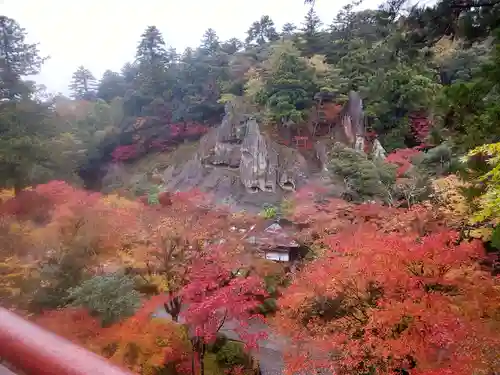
392	264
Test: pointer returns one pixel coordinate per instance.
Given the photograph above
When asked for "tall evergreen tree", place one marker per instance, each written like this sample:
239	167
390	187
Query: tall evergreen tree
153	59
17	59
25	153
83	84
288	29
311	24
112	85
262	31
311	33
129	72
210	43
231	46
151	49
25	121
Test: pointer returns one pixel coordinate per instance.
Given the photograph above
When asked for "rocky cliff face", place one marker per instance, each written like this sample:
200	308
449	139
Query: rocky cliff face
240	165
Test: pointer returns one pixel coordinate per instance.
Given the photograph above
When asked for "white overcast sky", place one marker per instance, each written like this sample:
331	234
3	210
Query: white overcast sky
103	34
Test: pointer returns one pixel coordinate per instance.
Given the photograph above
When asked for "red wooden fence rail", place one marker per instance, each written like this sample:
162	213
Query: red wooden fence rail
35	351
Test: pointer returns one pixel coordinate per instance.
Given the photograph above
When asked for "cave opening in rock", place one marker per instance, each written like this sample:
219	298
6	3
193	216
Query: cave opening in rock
269	188
234	141
253	189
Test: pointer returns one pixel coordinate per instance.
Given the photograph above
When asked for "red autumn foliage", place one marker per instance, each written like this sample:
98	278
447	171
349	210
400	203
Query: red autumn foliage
73	324
218	294
179	236
39	203
380	294
157	240
174	133
402	158
420	126
165	198
83	222
318	217
184	250
124	153
27	205
181	130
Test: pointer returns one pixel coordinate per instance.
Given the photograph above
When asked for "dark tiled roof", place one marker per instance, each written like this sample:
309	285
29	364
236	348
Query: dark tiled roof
274	236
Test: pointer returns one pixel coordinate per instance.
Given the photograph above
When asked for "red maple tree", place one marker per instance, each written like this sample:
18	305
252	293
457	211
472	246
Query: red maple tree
402	158
384	298
222	291
420	126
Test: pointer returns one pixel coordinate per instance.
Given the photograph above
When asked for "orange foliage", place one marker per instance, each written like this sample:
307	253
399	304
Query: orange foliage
161	243
73	324
385	294
178	232
138	343
144	344
318	217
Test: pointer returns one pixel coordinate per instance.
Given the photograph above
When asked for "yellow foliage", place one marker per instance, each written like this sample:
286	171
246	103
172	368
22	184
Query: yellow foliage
6	194
116	201
483	234
451	202
13	273
489	202
445	49
160	281
319	64
254	84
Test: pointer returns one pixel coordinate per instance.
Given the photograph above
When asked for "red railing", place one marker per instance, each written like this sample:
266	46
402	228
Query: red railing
31	350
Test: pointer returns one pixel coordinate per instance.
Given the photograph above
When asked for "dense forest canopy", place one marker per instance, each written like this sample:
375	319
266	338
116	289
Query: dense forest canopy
403	60
398	273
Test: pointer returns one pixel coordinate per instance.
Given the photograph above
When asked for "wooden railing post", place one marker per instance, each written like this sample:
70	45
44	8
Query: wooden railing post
34	351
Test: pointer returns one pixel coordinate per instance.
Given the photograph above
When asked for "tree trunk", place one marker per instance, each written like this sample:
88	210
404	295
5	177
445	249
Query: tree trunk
173	307
17	188
202	359
192	363
198	348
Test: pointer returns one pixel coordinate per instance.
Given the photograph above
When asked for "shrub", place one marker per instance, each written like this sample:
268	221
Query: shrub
218	344
232	354
364	178
437	161
269	212
111	297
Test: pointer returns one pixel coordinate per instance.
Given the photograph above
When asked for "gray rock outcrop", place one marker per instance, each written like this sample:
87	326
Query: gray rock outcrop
239	165
378	151
352	120
254	159
263	165
321	154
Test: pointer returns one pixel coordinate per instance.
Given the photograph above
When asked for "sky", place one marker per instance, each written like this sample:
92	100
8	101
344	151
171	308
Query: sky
103	34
